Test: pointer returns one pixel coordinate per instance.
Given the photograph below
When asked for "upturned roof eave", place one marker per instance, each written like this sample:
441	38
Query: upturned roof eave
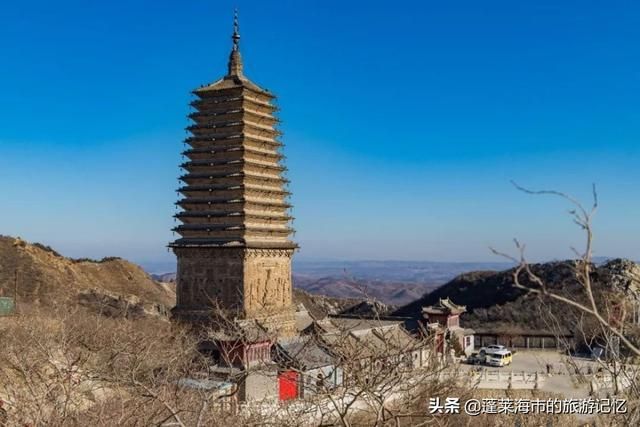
232	82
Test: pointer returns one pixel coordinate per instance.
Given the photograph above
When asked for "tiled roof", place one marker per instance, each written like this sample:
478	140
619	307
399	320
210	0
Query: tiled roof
231	82
305	352
444	306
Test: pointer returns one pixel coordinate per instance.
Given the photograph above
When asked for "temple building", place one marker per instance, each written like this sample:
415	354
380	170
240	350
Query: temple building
443	320
234	250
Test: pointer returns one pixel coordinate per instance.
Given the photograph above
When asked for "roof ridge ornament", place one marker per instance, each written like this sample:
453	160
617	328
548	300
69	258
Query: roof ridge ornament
235	60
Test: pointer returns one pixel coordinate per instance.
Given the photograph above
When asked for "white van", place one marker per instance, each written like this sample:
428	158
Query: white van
499	358
496	357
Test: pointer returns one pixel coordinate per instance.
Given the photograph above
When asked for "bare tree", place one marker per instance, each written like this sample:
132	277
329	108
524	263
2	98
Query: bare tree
600	312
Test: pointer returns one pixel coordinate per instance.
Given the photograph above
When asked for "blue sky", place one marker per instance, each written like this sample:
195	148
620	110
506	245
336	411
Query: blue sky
404	122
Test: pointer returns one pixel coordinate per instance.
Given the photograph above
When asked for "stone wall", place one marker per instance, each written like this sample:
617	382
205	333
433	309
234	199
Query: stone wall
259	385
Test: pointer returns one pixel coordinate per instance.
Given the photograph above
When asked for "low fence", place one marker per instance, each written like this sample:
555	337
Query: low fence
522	341
504	380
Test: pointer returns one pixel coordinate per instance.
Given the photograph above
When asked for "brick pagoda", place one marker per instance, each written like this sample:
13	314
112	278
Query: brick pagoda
234	249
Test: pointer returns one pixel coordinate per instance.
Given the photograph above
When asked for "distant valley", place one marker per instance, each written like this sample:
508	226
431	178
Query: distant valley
391	282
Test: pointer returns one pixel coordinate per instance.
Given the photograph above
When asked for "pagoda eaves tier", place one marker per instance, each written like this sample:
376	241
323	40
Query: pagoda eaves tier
234	190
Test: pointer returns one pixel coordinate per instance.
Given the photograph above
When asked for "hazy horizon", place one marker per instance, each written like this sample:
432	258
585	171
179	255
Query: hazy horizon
403	125
298	266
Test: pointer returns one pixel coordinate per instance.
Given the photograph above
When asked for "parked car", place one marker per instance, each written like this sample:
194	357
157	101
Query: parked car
474	359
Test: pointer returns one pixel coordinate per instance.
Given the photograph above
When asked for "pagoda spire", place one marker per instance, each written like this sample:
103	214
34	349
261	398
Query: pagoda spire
235	60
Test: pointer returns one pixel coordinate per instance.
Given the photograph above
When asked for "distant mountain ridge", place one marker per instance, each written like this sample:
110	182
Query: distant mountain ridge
393	283
417	272
388	292
164	277
494	303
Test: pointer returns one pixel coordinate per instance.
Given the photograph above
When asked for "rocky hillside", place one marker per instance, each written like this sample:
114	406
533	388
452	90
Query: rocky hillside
46	278
493	303
319	306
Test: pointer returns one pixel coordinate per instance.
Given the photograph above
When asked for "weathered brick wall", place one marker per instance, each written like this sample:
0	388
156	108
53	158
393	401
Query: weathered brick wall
209	274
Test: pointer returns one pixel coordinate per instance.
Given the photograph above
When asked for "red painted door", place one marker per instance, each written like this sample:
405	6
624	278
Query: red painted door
288	385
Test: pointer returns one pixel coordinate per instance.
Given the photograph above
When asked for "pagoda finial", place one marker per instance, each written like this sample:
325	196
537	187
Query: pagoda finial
236	31
235	60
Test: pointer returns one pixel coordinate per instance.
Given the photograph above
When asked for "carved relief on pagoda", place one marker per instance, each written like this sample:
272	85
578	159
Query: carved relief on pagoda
267	280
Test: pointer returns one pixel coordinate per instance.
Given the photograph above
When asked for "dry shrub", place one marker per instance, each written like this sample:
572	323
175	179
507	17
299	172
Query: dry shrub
69	368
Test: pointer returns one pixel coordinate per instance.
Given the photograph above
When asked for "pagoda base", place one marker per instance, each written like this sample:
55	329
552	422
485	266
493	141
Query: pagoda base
242	282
